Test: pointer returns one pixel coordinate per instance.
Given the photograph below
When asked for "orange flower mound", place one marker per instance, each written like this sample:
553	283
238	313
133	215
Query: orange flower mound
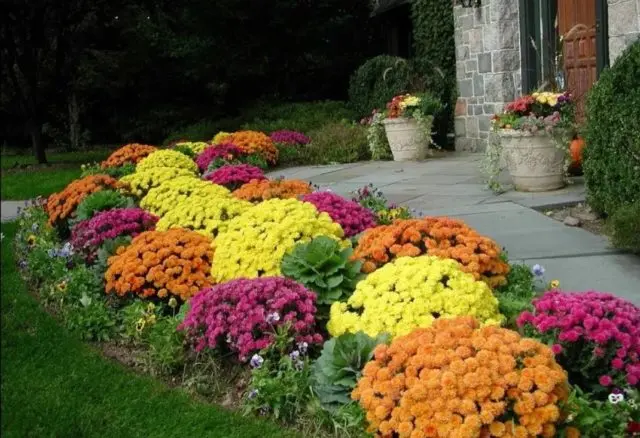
63	204
261	190
436	236
176	262
254	142
131	153
457	380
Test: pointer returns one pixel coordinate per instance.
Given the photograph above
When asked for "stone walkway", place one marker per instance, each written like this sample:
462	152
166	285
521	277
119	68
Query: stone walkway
453	186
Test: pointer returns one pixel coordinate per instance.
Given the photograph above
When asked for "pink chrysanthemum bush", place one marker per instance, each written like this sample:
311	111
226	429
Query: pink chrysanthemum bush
87	236
353	218
225	151
595	336
234	176
241	315
289	137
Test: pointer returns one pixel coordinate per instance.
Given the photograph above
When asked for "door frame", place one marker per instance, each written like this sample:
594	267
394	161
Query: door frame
537	21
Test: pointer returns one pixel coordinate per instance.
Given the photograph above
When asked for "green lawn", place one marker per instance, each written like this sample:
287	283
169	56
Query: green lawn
53	385
20	182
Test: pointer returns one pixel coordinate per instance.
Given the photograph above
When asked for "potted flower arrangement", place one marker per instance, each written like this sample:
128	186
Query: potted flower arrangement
534	133
407	124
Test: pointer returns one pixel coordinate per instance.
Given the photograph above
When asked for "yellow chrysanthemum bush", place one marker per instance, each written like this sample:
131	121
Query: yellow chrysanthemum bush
140	182
194	146
412	292
207	216
255	242
167	158
456	379
159	200
220	137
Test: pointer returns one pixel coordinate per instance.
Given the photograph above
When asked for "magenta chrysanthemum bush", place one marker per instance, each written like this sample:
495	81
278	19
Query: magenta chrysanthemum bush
595	335
241	315
88	235
353	218
289	137
234	176
226	151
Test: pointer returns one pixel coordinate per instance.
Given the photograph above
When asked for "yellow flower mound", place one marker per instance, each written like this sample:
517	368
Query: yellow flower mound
140	182
167	158
255	242
220	137
167	195
206	216
412	292
194	146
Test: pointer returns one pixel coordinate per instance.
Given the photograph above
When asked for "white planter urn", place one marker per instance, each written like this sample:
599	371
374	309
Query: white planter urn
406	140
533	161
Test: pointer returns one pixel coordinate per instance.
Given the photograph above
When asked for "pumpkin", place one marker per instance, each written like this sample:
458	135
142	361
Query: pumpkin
575	148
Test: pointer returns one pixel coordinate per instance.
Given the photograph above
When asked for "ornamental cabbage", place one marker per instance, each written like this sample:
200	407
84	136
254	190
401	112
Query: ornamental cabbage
167	195
255	242
412	292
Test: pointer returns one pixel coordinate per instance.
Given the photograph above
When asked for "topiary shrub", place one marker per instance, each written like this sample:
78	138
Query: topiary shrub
625	227
377	81
611	161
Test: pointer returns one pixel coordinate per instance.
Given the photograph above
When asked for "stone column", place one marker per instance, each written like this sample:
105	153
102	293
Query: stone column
487	66
624	25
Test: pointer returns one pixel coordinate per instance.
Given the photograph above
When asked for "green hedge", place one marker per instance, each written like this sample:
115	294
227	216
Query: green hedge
612	135
377	81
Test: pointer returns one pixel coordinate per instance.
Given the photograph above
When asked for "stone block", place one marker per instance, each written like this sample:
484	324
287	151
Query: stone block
462	53
460	73
475	41
506	61
471	66
478	85
460	127
484	62
509	35
489	108
477	110
461	107
503	10
619	43
479	17
464	144
465	22
484	123
472	127
499	87
623	18
465	88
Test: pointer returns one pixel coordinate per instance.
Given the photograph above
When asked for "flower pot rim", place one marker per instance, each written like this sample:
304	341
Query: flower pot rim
520	133
398	120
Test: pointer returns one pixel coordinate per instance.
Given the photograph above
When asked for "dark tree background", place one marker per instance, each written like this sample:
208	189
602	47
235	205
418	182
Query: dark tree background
79	72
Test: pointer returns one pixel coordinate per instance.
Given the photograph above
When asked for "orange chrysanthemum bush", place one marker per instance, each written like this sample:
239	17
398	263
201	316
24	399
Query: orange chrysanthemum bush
261	190
457	380
160	264
254	142
60	206
437	236
131	153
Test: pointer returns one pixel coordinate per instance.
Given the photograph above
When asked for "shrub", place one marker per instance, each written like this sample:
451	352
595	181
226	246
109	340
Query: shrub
413	292
254	142
225	151
140	183
611	162
87	236
455	379
114	172
261	190
129	154
166	159
161	263
234	176
202	130
100	201
625	227
207	216
159	200
196	147
596	336
438	236
352	217
337	143
61	206
323	266
340	365
377	81
255	242
240	315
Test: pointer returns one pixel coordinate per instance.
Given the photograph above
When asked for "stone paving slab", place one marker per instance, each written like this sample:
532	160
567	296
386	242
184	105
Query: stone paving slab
9	209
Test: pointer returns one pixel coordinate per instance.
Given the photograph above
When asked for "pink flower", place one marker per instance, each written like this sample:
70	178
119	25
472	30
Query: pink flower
223	150
556	348
632	379
605	380
234	176
353	218
617	363
289	137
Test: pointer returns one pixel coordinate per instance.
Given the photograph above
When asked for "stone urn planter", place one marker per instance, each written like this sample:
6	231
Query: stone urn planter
534	162
406	139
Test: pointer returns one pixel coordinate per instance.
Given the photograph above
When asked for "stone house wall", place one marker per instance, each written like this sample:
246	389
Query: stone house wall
487	65
624	25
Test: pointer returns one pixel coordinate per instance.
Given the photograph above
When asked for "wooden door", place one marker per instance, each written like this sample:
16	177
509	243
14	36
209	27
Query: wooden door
577	25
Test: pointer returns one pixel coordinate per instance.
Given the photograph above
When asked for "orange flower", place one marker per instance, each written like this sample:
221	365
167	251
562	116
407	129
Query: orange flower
254	142
169	272
261	190
60	206
131	153
438	236
424	382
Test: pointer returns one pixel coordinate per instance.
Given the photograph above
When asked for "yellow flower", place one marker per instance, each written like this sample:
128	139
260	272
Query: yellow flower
62	286
194	146
151	307
140	325
220	137
31	240
140	182
168	194
166	158
173	302
554	284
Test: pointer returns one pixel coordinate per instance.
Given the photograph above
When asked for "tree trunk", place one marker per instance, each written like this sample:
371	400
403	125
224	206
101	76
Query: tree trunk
35	131
74	122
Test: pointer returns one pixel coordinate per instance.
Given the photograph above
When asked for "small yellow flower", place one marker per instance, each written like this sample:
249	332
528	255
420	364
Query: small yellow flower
151	319
140	325
151	307
62	286
554	284
173	302
31	240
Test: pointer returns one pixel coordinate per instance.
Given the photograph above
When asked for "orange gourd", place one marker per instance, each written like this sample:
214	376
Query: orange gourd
575	148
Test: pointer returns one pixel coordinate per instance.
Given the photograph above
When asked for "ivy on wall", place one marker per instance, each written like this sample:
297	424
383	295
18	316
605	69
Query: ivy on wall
435	57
